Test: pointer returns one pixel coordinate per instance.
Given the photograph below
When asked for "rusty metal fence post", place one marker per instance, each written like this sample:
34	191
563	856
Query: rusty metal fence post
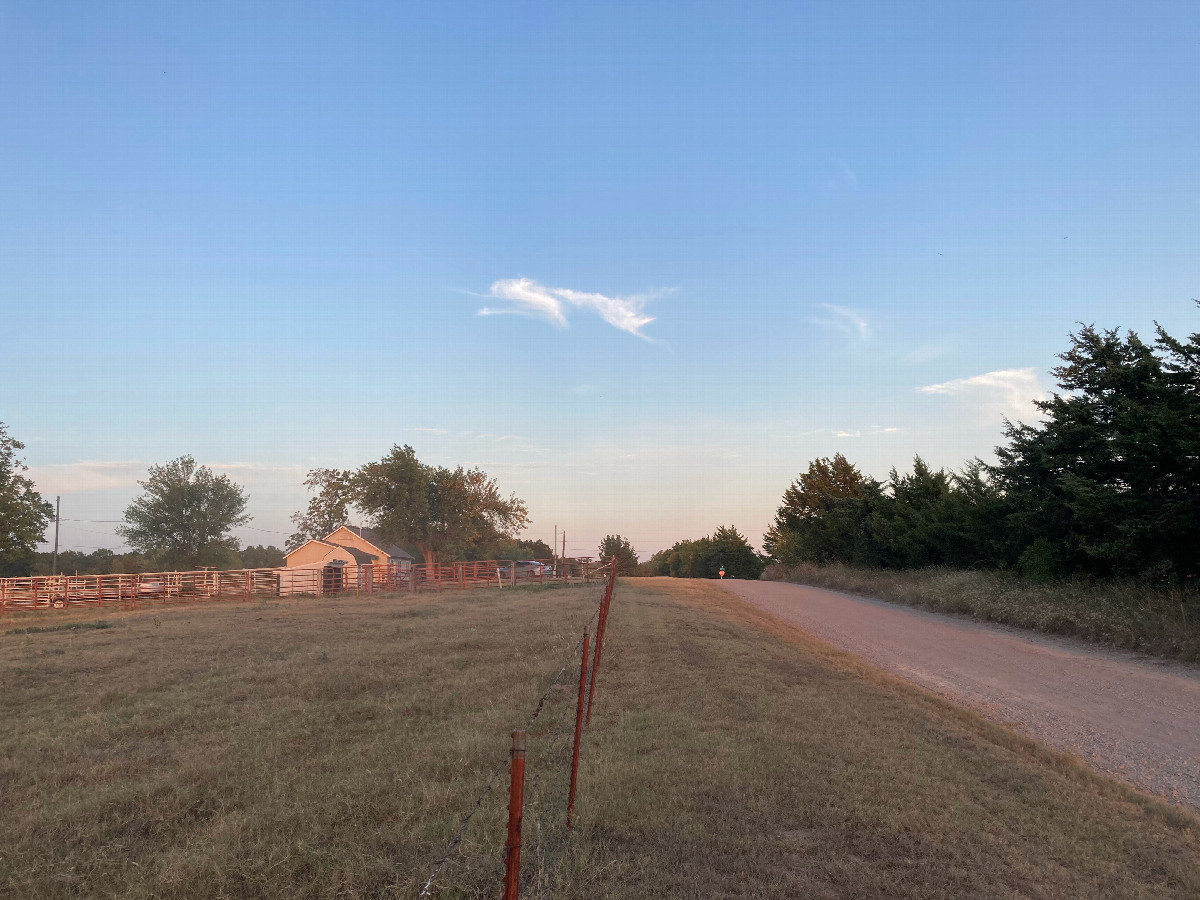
602	620
516	800
511	863
583	669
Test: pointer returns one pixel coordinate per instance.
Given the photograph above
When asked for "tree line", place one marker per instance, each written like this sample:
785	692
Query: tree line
185	516
726	548
1106	485
111	562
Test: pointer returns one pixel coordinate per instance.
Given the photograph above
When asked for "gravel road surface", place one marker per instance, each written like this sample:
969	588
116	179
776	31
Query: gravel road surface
1134	718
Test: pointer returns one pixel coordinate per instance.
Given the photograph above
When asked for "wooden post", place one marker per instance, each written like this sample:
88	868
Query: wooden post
57	520
248	587
516	801
583	666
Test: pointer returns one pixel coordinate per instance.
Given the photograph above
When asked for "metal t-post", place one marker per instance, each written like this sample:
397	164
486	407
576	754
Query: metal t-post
516	802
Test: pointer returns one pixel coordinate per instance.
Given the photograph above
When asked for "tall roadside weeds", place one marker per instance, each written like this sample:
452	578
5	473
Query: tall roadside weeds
1124	614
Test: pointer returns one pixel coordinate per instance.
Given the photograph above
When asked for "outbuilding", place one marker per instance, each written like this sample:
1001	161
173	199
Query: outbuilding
346	556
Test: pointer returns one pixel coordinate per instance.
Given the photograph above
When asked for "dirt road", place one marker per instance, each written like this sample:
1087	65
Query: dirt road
1136	719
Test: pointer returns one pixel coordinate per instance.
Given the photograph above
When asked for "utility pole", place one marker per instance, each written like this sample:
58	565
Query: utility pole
57	519
554	549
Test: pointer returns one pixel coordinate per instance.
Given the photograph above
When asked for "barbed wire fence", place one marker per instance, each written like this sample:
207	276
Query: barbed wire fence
539	811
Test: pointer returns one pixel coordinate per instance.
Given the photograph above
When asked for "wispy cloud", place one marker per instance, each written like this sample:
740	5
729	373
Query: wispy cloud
1010	392
87	475
105	475
848	321
426	430
841	177
529	298
251	467
845	434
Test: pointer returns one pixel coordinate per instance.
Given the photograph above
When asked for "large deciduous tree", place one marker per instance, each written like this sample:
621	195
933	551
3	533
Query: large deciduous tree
184	516
439	510
24	515
328	509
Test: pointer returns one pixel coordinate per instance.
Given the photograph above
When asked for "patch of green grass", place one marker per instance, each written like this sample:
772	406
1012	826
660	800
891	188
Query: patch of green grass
1122	614
69	626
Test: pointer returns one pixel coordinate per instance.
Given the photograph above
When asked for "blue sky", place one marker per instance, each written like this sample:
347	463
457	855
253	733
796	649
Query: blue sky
263	236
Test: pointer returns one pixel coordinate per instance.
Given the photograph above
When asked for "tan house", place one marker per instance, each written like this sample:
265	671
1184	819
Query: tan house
346	556
352	545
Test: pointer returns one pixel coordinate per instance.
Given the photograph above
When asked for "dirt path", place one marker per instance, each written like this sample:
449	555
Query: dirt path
1136	719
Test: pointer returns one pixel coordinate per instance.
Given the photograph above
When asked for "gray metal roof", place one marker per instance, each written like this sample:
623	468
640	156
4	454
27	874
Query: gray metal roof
373	537
362	557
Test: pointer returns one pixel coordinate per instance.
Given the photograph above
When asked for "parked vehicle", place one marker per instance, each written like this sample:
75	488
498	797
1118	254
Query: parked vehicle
529	568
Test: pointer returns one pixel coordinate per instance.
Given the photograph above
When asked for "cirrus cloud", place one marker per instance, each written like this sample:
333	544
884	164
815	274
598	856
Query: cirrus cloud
529	298
87	475
1009	392
848	321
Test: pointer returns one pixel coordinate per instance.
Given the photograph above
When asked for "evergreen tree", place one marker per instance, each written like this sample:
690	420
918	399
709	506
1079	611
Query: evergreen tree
1109	483
822	514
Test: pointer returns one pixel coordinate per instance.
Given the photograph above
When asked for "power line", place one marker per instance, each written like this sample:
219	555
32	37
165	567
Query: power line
122	522
75	528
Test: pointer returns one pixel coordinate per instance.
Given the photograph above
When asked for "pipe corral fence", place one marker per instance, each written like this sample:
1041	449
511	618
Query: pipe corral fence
48	592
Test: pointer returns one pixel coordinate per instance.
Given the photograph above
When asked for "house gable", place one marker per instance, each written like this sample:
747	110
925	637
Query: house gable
323	552
367	541
309	553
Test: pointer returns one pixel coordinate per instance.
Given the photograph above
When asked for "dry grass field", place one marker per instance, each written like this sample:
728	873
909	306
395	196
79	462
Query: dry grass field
330	748
1124	614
